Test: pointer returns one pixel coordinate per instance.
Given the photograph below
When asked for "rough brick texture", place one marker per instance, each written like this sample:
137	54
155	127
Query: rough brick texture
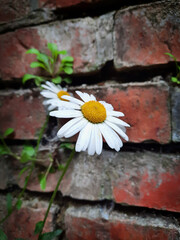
144	33
64	3
21	223
84	39
23	111
139	179
176	115
88	223
145	107
13	10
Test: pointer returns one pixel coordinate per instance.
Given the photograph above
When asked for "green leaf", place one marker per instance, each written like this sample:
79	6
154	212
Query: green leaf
67	80
9	203
27	153
67	59
68	64
37	64
8	132
26	181
170	55
23	170
3	150
3	235
33	51
19	204
43	182
50	235
52	170
68	70
27	77
51	60
60	167
29	150
43	58
67	145
63	52
57	80
53	48
38	227
37	82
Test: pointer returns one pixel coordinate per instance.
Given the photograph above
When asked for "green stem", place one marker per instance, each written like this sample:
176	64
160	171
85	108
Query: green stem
20	194
56	189
31	167
8	149
41	135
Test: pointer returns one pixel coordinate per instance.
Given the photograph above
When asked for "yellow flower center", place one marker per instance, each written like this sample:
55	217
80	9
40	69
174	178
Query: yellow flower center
61	93
94	111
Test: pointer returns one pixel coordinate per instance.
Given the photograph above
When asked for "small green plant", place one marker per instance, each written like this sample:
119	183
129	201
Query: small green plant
54	65
175	79
51	65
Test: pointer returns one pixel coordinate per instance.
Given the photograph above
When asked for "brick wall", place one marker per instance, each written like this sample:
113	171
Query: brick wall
118	51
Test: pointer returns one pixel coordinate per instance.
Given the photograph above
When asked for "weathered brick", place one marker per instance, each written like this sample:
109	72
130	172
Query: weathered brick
64	3
23	111
148	100
145	106
142	179
21	223
14	62
176	115
82	38
13	10
144	33
95	223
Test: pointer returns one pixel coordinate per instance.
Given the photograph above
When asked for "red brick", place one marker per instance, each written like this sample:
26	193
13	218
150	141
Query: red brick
145	106
144	33
23	111
88	223
149	101
175	100
142	179
82	38
13	10
14	62
64	3
21	223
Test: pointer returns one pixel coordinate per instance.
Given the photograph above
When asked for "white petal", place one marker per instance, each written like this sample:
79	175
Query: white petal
73	100
51	107
92	98
108	106
76	128
115	113
84	136
66	114
66	126
117	121
84	96
105	132
92	143
98	139
48	94
55	88
48	88
117	129
64	104
112	139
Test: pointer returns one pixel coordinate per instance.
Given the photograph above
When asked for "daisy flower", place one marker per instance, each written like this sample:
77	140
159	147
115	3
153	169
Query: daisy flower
94	120
53	93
